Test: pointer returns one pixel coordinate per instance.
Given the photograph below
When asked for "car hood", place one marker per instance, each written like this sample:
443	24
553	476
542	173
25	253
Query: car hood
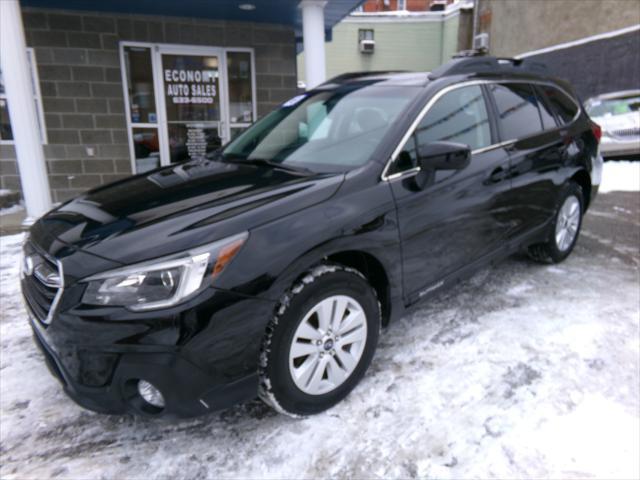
181	207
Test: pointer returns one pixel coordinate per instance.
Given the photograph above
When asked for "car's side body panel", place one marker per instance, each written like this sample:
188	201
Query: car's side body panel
458	216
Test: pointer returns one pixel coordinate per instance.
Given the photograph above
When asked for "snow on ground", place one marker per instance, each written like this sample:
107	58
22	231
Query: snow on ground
18	207
525	370
620	176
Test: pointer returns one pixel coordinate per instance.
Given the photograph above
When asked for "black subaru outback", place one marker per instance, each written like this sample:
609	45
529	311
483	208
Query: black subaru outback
269	267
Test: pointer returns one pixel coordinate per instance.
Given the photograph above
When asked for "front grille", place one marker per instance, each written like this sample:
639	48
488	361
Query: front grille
627	132
42	284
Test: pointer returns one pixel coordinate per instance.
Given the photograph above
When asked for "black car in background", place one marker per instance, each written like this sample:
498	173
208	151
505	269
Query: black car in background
270	267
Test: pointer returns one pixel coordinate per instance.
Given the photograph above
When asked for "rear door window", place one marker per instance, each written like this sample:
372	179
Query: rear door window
564	107
517	107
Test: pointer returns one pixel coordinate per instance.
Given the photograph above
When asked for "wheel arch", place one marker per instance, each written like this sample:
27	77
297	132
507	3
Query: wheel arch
373	270
382	272
583	179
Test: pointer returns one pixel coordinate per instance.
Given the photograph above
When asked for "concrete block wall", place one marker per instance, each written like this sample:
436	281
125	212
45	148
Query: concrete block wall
78	64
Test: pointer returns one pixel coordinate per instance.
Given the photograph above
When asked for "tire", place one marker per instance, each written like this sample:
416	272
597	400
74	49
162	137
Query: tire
332	368
556	248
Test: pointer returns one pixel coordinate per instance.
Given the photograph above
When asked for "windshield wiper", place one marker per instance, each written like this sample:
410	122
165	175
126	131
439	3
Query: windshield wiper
262	162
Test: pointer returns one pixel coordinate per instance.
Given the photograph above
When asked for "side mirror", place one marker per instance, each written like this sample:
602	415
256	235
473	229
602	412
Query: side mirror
444	156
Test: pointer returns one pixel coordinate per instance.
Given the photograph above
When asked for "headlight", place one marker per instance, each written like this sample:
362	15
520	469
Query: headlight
163	282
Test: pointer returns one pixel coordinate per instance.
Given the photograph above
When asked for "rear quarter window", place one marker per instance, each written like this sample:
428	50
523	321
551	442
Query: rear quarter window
565	108
546	113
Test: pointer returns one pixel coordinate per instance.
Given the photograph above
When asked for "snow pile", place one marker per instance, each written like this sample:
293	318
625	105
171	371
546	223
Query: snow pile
18	207
522	371
620	176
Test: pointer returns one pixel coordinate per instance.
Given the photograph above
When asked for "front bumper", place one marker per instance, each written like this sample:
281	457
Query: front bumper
188	391
202	356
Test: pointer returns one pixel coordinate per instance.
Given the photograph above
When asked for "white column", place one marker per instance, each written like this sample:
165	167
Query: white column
313	39
22	110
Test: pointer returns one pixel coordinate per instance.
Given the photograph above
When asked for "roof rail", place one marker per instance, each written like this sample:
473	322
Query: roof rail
467	62
470	53
351	75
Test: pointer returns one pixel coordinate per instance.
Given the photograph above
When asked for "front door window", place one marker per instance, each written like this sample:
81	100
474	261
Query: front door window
183	102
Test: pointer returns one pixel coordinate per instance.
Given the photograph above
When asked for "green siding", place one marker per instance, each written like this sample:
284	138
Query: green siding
400	45
450	44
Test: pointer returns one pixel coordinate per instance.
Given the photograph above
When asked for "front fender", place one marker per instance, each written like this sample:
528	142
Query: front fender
278	253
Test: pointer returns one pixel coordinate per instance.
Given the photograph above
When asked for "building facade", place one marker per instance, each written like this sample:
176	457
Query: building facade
123	91
416	40
104	92
515	27
598	64
372	6
593	44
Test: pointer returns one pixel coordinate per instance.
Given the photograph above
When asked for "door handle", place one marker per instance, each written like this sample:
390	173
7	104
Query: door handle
497	175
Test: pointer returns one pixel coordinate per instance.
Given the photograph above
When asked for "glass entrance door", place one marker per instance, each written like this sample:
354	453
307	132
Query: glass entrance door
183	101
194	103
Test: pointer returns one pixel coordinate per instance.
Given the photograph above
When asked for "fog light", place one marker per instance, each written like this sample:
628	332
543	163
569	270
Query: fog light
150	393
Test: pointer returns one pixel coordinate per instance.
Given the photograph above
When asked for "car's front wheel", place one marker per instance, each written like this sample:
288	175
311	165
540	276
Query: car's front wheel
565	228
320	342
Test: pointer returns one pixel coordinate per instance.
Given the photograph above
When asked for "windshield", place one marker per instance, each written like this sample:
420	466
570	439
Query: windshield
618	106
323	131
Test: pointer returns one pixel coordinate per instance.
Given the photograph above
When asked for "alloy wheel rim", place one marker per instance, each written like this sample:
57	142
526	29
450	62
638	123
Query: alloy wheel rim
567	223
327	345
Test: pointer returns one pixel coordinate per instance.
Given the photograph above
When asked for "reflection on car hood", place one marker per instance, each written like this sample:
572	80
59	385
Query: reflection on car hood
180	207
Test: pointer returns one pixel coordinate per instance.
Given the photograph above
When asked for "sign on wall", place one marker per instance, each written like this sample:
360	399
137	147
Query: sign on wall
191	86
192	102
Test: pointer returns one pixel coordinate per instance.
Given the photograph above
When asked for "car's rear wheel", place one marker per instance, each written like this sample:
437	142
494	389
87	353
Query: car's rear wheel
563	234
320	342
